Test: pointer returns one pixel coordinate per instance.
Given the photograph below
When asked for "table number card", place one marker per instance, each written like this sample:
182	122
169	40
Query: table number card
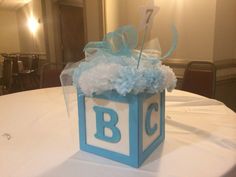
148	13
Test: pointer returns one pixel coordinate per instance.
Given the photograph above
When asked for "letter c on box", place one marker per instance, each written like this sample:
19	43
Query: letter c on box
150	130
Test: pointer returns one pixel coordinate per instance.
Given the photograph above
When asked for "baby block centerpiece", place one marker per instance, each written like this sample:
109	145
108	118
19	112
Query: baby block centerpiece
121	106
121	97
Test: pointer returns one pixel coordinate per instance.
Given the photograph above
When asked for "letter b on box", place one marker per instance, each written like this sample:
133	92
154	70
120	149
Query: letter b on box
126	129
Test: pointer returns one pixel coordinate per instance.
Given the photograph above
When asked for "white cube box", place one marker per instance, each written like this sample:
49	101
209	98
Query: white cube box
126	129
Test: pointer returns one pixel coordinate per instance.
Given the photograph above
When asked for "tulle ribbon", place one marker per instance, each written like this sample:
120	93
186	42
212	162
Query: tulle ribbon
123	41
120	42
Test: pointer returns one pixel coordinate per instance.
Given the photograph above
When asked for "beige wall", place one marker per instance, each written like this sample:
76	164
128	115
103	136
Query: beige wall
9	39
115	12
194	21
29	42
93	18
225	30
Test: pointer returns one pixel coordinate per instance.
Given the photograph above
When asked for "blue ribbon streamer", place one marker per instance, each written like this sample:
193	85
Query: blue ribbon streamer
174	44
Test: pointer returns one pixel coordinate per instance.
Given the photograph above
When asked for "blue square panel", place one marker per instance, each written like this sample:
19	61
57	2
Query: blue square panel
122	128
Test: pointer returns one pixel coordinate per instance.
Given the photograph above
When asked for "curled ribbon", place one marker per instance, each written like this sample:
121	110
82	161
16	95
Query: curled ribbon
173	45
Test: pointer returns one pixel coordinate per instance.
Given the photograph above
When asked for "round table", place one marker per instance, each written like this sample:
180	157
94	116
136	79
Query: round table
38	139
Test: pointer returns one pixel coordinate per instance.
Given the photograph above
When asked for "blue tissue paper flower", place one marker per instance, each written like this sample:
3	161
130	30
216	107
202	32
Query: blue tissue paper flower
154	80
126	80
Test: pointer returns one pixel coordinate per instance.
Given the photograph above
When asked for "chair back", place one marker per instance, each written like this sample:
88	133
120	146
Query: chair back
7	74
14	61
200	78
50	75
30	62
35	62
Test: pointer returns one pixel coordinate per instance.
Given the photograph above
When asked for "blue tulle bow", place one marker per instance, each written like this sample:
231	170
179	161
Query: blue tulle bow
120	42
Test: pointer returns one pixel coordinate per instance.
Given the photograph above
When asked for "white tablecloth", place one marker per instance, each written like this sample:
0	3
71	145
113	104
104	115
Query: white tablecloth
38	139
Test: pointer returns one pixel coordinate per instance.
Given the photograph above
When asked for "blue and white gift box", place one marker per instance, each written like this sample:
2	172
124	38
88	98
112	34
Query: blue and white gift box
126	129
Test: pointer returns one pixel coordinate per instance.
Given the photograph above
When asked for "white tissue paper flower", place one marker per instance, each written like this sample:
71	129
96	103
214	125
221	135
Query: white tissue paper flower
169	78
99	78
